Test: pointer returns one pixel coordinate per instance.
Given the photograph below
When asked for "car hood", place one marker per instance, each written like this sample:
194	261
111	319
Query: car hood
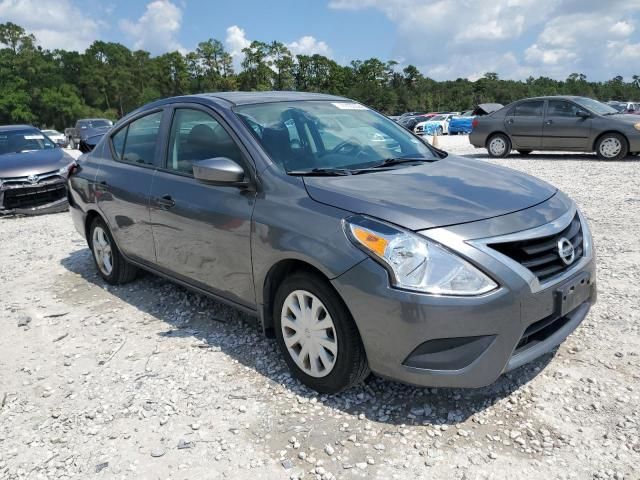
623	118
32	163
447	192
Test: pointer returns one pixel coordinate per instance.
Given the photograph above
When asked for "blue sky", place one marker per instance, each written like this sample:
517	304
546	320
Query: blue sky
446	39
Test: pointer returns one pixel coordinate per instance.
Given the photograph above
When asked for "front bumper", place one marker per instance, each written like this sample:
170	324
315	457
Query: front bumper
442	341
37	199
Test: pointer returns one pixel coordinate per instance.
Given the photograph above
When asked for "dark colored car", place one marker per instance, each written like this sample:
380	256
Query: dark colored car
410	122
33	172
356	244
85	128
576	124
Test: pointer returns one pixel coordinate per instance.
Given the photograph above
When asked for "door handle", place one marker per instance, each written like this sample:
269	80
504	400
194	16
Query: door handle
510	121
548	122
166	202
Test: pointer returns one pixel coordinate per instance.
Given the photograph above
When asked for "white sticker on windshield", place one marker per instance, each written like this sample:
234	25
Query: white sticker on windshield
349	106
34	137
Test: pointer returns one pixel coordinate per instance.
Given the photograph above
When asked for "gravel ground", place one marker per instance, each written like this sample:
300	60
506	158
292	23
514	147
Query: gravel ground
149	380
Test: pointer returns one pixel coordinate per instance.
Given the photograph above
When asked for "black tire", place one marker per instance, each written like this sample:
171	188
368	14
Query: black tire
351	365
524	152
72	144
612	146
494	150
439	131
122	271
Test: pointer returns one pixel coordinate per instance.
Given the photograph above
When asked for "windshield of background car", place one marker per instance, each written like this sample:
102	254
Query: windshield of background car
305	135
438	118
595	106
17	141
96	124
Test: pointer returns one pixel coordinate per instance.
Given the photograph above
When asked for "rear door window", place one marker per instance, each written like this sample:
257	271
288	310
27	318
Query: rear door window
531	108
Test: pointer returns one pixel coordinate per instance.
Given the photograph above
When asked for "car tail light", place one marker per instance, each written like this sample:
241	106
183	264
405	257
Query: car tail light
474	123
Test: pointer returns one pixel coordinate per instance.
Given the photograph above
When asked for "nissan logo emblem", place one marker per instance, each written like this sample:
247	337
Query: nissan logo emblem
566	251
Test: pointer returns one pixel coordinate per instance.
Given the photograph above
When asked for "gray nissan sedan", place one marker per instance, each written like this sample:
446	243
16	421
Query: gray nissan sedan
357	245
562	123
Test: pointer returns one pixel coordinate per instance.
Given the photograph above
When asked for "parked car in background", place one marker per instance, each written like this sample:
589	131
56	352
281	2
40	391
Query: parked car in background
86	127
411	114
33	172
464	123
625	107
358	246
59	138
461	124
410	122
436	125
567	123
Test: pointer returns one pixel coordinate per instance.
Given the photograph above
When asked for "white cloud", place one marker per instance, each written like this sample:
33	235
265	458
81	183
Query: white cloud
49	21
515	38
235	41
157	29
622	28
308	45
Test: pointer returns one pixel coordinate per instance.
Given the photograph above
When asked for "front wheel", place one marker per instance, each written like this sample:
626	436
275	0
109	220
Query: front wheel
439	131
317	336
612	146
498	146
112	266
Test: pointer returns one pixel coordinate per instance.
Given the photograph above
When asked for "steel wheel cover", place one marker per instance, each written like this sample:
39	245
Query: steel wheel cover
102	250
610	147
309	333
497	146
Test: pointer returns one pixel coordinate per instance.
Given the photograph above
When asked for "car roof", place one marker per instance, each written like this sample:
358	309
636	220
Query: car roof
555	97
232	99
247	98
9	128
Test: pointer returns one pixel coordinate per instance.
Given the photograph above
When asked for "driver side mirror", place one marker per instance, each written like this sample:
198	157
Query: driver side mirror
218	171
583	114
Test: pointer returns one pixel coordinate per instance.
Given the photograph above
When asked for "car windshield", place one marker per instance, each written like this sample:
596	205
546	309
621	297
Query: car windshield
438	118
17	141
595	106
306	135
51	133
96	124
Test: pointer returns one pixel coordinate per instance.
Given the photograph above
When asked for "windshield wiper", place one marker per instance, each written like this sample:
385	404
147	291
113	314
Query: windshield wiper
326	172
396	161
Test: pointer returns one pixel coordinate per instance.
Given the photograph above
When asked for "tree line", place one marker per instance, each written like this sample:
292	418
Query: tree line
53	88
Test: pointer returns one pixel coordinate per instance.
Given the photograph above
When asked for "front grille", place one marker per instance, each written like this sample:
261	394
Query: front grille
540	255
35	196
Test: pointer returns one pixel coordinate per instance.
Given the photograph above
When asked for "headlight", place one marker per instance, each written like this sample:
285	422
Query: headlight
637	126
416	263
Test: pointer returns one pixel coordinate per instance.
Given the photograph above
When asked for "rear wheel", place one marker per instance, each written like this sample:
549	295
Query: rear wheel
612	146
498	145
317	336
524	152
112	266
